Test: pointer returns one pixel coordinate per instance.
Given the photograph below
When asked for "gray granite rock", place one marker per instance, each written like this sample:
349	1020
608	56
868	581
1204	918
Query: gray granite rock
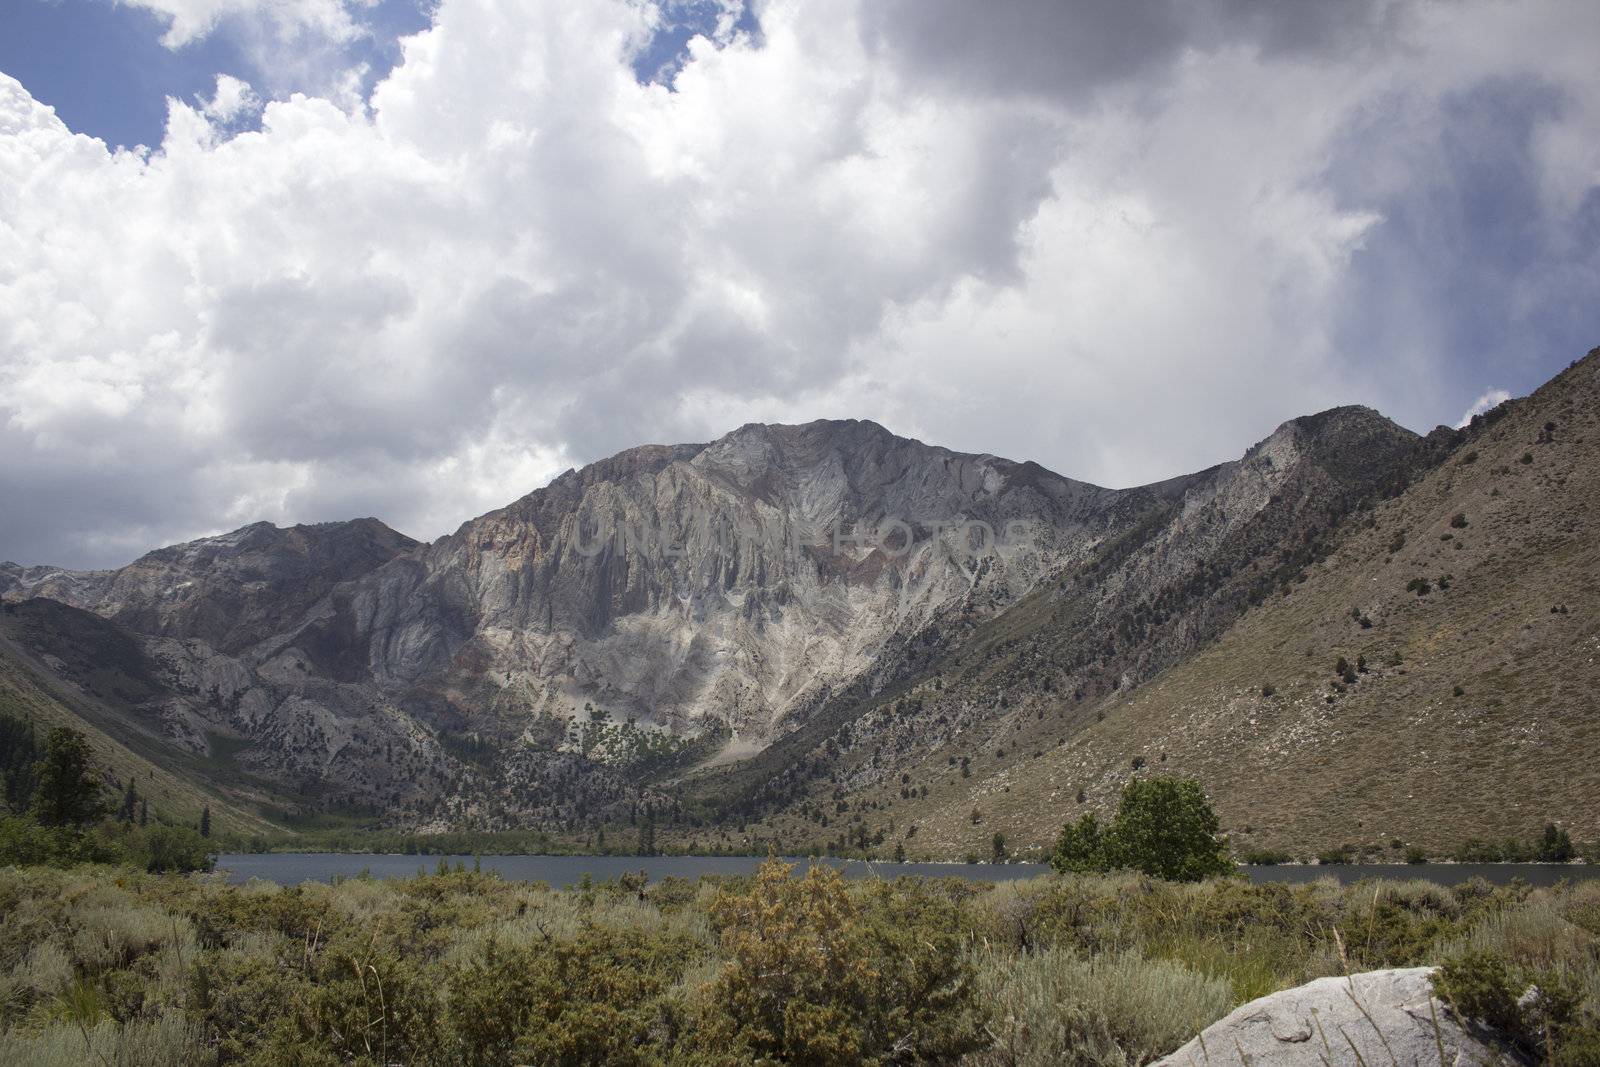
1378	1018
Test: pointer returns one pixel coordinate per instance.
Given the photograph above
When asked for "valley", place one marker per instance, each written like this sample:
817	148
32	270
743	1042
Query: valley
829	638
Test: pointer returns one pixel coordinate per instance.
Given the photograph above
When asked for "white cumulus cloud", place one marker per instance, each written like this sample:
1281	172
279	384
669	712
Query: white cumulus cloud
1485	403
189	20
516	257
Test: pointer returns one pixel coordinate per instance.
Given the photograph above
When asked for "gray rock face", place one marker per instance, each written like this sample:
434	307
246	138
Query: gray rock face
725	583
1186	558
230	591
1380	1017
725	590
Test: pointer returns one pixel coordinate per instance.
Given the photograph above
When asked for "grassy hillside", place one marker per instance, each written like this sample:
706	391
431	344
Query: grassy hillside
176	784
1475	711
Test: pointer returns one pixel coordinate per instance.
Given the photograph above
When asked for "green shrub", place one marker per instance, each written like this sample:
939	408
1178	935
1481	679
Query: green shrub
27	842
1267	857
169	1041
1541	1011
816	977
173	848
1477	850
374	1007
1164	827
1397	925
594	999
462	967
1478	985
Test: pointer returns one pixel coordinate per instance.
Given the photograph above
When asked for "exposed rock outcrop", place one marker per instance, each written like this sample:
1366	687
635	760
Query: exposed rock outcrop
1387	1017
727	592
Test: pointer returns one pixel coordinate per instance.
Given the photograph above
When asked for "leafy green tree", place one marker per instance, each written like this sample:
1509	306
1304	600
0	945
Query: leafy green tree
1080	848
1164	827
1556	847
66	794
175	848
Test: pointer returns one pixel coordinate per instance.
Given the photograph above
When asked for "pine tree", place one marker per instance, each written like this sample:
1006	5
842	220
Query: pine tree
205	821
130	803
67	794
1556	846
19	758
647	833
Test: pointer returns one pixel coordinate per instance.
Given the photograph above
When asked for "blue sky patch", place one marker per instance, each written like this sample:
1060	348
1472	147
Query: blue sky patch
103	68
682	21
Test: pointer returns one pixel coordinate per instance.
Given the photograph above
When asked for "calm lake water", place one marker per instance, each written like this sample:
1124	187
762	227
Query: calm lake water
290	868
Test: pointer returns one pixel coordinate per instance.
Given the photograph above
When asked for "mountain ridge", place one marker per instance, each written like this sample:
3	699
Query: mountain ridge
715	629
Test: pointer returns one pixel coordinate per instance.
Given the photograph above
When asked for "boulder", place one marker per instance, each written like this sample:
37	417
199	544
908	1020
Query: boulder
1377	1019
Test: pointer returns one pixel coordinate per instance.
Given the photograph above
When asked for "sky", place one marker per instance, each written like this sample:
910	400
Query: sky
307	260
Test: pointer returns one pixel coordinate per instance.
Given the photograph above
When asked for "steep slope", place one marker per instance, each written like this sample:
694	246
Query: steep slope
230	591
686	597
1465	609
708	585
176	788
1194	555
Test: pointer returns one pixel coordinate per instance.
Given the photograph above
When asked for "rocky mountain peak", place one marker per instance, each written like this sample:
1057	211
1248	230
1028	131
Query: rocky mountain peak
230	589
736	593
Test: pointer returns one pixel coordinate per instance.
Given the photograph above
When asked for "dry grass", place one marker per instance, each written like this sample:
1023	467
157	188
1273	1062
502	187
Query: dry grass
170	1041
1053	1007
1102	970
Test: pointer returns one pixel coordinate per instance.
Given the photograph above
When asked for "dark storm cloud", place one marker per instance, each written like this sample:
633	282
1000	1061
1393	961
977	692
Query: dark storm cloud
1069	48
1472	270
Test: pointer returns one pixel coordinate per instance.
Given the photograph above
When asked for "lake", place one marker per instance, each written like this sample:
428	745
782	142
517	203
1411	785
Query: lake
290	868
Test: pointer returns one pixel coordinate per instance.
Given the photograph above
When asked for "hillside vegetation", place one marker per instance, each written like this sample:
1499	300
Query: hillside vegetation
1432	677
173	786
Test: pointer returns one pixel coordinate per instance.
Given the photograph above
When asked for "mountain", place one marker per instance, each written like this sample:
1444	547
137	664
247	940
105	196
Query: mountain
1201	551
1459	594
38	691
827	634
699	598
183	647
700	585
231	591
